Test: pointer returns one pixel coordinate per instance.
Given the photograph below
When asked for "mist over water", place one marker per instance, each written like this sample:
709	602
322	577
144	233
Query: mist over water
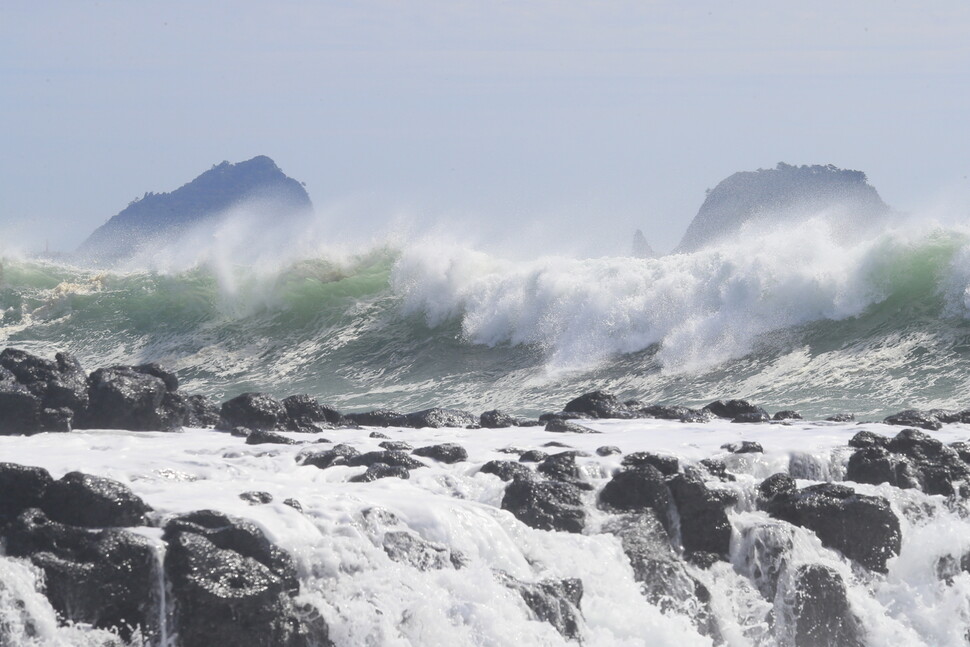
797	315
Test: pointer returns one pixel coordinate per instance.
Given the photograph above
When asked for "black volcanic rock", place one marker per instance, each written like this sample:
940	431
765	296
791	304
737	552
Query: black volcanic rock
823	616
125	397
734	409
911	459
914	418
554	601
93	501
783	194
305	413
444	453
254	411
704	522
599	404
496	419
160	218
21	487
546	505
507	470
437	418
636	490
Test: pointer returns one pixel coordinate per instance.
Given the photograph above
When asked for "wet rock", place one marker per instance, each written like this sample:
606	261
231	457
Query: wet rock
553	443
776	484
563	467
106	578
93	502
377	434
387	457
638	489
787	414
253	410
396	445
732	408
533	456
381	471
294	503
122	397
554	601
224	598
962	448
752	417
377	418
744	447
61	383
684	414
507	470
948	416
263	437
704	524
496	419
21	487
563	415
667	465
910	459
599	404
823	616
565	427
19	409
863	528
304	413
407	548
717	469
546	505
868	439
914	418
608	450
437	418
202	412
239	535
875	465
255	497
55	420
337	455
445	453
841	417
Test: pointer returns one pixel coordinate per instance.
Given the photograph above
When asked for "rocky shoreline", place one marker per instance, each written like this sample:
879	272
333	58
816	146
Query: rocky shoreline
228	584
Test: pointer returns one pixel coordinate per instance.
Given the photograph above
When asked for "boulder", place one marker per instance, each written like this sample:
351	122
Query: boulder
19	409
638	489
444	453
507	470
841	417
61	383
732	408
304	413
863	528
533	456
704	525
667	465
437	418
608	450
387	457
122	397
717	469
823	616
868	439
776	484
599	404
106	578
256	497
263	437
203	413
337	455
787	414
565	427
910	459
744	447
93	502
253	410
546	505
377	418
395	445
408	548
496	419
381	471
21	487
752	417
914	418
683	414
554	601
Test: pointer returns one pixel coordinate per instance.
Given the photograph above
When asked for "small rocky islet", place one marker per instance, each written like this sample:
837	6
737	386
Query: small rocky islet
228	583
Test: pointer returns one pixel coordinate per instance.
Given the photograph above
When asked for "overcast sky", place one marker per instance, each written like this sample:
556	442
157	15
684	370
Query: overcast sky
593	118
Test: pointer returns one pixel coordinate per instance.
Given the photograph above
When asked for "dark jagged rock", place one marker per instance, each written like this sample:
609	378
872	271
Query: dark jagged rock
783	194
255	497
407	548
161	218
753	417
294	503
224	598
546	505
396	445
337	455
875	465
387	457
437	418
841	417
507	470
377	418
599	404
381	471
868	439
55	420
21	487
563	467
910	459
948	416
170	379
202	412
667	465
107	578
823	616
664	580
304	413
776	484
253	410
565	427
238	535
563	415
717	469
732	409
914	418
19	409
636	490
496	419
554	601
377	434
122	397
744	447
263	437
704	524
684	414
533	456
787	414
444	453
608	450
61	383
93	502
962	449
863	528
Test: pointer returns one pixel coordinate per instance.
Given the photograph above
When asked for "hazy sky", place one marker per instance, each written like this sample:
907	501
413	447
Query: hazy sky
588	118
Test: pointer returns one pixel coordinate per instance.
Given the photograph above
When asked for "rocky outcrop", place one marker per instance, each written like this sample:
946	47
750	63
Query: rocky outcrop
599	404
546	505
554	601
912	459
704	525
443	453
822	614
93	502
